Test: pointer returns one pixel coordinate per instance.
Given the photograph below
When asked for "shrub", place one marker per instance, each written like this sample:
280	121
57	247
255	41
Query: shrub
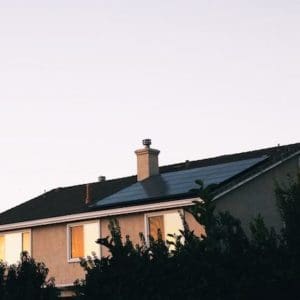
26	281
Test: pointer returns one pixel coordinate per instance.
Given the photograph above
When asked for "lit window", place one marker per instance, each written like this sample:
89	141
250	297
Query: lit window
168	222
156	223
12	244
77	241
1	247
82	240
26	241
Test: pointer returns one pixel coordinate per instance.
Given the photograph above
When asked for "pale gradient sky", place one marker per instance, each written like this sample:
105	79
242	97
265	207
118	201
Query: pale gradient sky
83	82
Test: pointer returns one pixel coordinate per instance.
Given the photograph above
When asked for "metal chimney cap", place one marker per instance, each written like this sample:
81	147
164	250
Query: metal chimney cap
147	143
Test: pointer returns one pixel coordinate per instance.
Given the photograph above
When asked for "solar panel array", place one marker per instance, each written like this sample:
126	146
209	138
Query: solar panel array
179	182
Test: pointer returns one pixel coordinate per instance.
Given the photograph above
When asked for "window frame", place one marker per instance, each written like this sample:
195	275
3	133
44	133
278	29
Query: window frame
69	240
26	230
155	214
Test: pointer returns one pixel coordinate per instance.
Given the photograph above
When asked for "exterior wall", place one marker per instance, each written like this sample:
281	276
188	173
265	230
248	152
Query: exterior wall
258	197
134	224
130	225
49	244
194	225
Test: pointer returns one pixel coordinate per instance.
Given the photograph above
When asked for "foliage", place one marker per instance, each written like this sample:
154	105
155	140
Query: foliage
26	281
222	264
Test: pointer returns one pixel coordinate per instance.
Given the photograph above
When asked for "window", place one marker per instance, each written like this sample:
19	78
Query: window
168	222
156	223
12	244
76	241
2	247
82	240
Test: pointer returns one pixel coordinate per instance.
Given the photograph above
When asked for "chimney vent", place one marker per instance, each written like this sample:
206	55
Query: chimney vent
101	178
147	161
147	143
87	194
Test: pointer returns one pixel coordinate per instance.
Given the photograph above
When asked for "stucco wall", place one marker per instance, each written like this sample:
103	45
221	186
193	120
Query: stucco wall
133	224
49	244
130	225
194	225
257	196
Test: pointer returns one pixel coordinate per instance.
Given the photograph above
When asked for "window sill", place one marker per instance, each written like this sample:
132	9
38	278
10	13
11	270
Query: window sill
73	260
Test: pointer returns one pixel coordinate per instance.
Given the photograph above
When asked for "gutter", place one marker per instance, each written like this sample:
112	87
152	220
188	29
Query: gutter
100	214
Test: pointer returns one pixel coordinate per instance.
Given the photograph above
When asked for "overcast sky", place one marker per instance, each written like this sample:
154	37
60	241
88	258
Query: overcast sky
83	82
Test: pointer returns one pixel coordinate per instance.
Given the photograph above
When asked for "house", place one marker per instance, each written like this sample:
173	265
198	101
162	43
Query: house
62	225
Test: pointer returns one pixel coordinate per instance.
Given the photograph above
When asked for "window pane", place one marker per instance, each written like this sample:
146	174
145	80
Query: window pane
173	224
26	242
91	235
76	241
155	223
13	247
2	247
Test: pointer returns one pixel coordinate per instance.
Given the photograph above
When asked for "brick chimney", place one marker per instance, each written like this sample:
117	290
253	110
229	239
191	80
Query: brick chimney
147	161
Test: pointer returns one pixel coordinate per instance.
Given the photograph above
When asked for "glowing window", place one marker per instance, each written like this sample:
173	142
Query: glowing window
156	224
12	244
26	242
82	240
168	222
1	247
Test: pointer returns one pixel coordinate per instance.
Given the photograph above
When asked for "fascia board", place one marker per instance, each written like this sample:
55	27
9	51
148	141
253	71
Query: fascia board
255	175
99	214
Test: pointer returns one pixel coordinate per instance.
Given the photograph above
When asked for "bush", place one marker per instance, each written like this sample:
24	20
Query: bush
26	281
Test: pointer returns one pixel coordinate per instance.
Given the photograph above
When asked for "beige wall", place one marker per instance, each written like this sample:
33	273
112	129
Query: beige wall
134	224
49	244
130	225
194	225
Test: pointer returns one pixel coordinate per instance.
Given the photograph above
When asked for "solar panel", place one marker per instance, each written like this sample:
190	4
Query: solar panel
179	182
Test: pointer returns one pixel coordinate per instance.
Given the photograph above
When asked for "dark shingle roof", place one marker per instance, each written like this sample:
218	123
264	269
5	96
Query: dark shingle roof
71	200
62	201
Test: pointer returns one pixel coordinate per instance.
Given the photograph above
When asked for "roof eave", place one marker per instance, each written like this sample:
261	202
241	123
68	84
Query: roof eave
100	214
250	178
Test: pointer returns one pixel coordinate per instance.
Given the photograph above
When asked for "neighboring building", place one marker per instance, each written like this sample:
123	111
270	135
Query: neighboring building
62	225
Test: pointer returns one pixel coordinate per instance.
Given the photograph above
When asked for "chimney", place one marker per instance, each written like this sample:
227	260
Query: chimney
147	161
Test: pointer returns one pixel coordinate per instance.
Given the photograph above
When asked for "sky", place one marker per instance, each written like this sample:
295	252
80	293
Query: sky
83	82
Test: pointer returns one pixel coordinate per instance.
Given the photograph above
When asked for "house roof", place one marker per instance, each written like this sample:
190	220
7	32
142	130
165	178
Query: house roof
174	182
180	183
62	201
